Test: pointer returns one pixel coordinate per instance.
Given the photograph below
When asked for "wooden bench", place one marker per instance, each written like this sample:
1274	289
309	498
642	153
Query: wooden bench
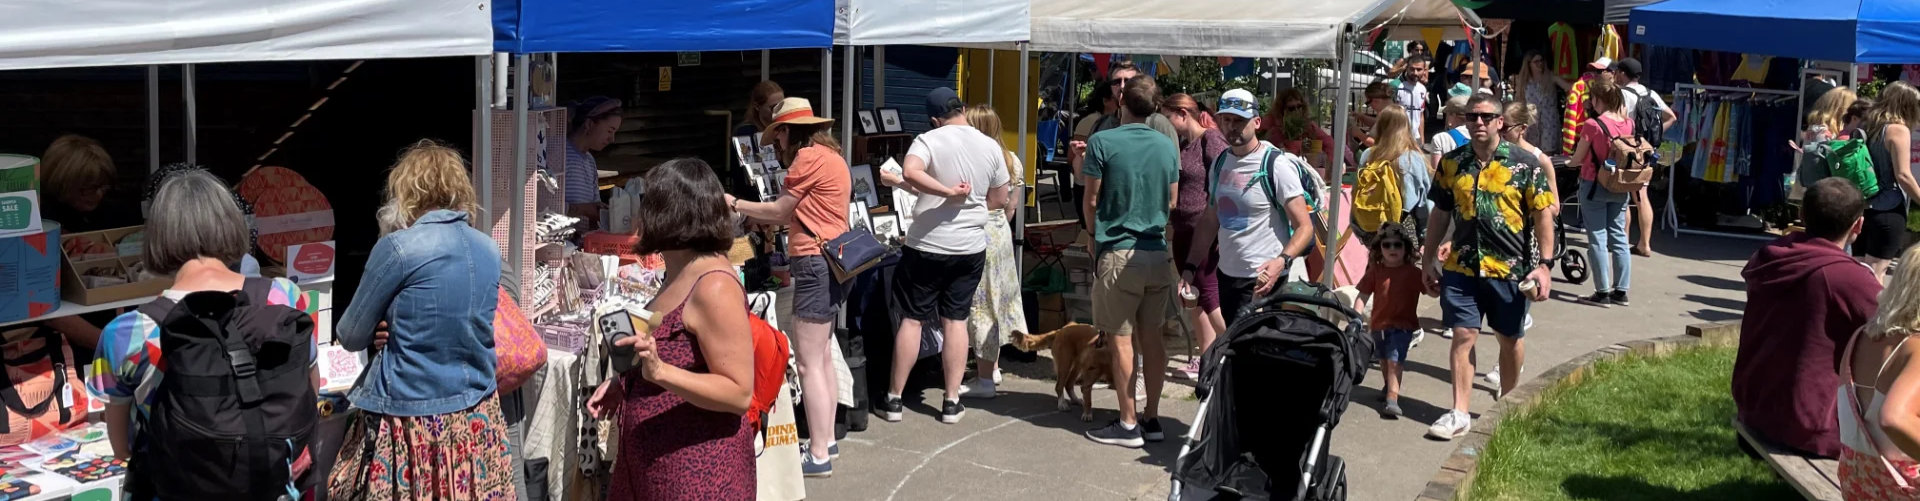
1817	479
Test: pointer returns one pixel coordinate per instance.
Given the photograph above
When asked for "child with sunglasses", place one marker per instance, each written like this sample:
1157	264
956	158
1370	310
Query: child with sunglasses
1393	284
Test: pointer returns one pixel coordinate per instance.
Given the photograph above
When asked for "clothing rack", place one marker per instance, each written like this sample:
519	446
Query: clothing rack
1671	216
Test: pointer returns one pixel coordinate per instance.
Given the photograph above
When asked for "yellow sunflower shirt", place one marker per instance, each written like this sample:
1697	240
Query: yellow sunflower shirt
1492	205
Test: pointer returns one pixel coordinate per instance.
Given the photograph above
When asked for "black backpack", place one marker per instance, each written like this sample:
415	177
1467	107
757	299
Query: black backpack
235	408
1647	119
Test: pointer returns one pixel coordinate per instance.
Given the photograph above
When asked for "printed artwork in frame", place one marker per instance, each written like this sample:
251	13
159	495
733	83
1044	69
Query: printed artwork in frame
865	189
868	124
890	120
886	227
858	218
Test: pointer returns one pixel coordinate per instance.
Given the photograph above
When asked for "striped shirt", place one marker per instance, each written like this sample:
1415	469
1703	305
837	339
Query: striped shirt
582	176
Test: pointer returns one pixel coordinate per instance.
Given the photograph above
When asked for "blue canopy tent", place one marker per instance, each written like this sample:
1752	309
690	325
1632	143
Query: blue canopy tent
1854	31
521	27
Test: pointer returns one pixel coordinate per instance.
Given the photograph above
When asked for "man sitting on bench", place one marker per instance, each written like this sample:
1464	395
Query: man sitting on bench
1805	297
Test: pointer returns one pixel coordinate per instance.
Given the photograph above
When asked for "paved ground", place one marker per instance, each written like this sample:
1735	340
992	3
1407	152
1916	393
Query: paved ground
1018	447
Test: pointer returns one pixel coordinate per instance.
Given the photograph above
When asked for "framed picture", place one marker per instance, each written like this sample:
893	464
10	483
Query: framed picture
868	124
744	150
865	189
858	218
886	227
890	120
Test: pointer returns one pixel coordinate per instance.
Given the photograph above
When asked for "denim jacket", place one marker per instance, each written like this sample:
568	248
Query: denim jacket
435	285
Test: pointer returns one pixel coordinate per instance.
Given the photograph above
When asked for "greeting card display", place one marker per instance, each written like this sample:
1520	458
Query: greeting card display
286	210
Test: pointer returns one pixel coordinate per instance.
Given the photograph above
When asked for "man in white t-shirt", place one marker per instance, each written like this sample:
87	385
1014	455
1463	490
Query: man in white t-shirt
958	172
1258	236
1456	135
1412	92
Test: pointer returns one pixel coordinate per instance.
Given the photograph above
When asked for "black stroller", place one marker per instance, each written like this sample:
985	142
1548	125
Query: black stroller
1297	371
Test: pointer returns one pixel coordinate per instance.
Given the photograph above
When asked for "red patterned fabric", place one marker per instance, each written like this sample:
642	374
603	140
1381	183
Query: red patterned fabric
30	370
1864	478
518	348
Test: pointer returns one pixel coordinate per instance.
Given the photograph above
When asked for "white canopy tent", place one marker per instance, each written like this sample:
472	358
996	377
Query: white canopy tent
65	34
1280	29
1406	19
62	33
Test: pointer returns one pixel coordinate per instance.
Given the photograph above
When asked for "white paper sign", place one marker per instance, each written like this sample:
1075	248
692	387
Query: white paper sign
310	263
339	368
19	213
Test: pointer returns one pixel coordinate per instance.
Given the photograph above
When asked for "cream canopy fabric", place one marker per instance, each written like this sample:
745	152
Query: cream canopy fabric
1288	29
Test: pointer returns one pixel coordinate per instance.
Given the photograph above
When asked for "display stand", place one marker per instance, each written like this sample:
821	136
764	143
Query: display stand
1671	217
546	151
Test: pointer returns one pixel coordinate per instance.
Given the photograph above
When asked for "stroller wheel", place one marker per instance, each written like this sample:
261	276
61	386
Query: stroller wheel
1334	484
1574	268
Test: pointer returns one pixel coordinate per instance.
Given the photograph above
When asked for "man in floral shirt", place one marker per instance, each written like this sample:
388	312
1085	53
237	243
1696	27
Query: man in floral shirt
1494	197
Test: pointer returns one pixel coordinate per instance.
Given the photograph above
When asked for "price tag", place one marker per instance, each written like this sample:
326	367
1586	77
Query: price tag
666	78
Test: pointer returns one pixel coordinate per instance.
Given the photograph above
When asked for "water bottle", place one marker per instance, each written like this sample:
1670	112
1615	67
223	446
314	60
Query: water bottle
1610	165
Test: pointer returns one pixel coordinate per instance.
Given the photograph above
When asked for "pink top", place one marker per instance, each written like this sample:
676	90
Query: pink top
1600	145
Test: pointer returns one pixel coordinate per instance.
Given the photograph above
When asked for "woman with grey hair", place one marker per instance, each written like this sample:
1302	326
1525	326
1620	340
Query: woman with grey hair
197	235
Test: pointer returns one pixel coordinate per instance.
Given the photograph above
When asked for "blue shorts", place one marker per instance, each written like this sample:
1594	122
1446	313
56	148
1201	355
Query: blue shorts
1392	344
1465	301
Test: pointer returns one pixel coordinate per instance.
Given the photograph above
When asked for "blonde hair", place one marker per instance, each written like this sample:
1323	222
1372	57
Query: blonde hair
1899	313
428	176
73	164
1831	109
984	119
1899	103
1392	135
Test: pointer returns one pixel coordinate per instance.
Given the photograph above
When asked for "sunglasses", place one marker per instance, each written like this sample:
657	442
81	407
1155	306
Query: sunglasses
1238	104
1117	81
1511	128
1295	107
1393	245
1481	117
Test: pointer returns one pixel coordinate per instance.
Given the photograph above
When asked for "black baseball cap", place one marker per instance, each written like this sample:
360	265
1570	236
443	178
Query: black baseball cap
942	102
1629	66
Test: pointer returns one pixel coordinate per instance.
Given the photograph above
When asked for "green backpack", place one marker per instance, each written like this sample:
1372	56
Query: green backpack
1851	159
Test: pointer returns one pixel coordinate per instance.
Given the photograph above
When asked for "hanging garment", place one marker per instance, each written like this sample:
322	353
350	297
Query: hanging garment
1609	44
1910	73
1566	55
1753	68
1575	113
1682	109
1544	95
1667	66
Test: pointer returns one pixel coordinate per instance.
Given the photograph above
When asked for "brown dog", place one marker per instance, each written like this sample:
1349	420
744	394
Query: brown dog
1079	356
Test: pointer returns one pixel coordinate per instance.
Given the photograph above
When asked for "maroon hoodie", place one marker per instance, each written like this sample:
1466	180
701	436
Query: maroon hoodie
1805	297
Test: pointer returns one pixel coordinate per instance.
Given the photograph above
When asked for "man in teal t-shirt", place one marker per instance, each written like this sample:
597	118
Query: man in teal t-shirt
1131	173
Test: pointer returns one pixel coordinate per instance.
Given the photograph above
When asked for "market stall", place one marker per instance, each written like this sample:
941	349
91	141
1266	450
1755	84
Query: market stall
1849	32
564	286
48	274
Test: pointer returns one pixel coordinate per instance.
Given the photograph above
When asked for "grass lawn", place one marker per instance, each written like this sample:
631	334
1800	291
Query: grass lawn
1635	428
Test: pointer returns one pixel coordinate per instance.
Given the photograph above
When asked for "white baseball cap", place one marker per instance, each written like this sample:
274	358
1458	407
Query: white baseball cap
1239	102
1602	63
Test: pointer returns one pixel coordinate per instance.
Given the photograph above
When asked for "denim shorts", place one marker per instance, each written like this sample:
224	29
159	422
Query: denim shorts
1392	344
816	293
1465	301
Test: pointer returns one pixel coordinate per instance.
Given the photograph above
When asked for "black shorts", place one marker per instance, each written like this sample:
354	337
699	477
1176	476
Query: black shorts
928	286
1883	235
1235	293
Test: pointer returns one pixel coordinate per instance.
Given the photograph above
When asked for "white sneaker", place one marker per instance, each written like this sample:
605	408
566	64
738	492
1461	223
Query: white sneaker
1453	425
1493	377
1528	325
980	387
1444	333
996	375
1418	334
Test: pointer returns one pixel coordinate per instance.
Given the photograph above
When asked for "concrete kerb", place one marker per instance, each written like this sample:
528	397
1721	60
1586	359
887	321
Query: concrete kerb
1455	478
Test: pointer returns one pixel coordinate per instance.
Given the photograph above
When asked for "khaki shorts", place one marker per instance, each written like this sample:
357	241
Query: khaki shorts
1132	290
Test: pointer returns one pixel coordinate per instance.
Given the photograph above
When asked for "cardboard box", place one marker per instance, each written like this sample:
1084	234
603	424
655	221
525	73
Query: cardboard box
613	244
30	273
100	253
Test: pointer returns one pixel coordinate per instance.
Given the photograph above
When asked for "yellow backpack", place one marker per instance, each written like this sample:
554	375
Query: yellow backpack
1376	195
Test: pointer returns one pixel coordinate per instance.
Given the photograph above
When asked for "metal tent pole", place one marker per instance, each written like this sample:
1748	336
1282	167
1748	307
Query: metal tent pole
483	145
993	63
826	83
516	227
846	95
879	77
766	65
1020	199
153	118
193	112
1336	164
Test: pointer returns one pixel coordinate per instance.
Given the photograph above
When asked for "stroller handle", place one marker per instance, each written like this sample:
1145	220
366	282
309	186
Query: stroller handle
1279	299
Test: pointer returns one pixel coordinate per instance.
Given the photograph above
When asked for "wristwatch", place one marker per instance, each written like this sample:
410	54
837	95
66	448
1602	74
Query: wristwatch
1549	263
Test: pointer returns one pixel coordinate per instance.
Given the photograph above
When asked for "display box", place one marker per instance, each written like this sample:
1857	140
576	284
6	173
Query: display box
30	273
613	244
113	254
